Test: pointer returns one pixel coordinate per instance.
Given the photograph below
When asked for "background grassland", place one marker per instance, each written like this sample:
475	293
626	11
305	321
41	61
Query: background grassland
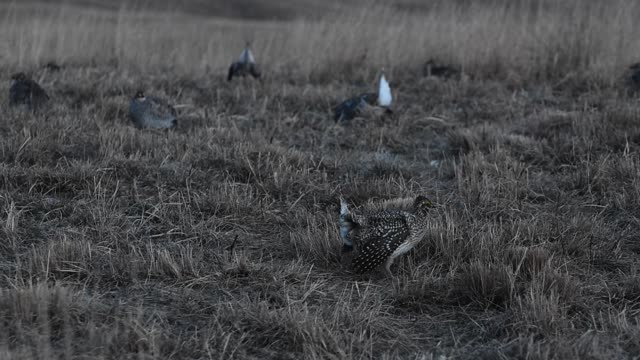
219	239
516	39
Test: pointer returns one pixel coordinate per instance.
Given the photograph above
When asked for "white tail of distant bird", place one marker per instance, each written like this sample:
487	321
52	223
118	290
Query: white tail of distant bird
384	92
246	65
246	57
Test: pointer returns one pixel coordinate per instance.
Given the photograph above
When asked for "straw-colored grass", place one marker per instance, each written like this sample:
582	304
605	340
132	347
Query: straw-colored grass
219	239
521	39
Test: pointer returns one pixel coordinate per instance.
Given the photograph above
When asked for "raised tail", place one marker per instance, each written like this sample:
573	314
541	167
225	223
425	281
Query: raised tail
384	92
346	225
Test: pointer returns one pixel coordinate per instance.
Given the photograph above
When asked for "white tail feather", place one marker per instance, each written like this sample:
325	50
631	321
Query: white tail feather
246	56
344	224
384	92
343	207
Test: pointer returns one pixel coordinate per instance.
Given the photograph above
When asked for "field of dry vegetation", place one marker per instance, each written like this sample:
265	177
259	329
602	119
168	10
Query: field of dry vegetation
220	239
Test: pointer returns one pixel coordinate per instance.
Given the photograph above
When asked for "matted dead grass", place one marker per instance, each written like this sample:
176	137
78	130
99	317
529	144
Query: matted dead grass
220	239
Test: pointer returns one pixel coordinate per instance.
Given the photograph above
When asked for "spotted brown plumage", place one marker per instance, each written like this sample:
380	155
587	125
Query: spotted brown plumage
381	236
26	92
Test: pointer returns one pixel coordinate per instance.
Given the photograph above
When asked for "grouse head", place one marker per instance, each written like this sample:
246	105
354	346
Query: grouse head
139	96
421	205
19	77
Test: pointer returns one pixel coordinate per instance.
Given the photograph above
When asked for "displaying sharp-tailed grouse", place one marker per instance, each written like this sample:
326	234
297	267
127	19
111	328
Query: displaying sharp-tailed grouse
351	107
381	236
246	65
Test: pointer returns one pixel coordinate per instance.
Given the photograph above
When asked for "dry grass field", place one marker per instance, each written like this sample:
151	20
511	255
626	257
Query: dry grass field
220	239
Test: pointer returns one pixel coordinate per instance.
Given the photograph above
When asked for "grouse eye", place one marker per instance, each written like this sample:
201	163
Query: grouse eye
423	202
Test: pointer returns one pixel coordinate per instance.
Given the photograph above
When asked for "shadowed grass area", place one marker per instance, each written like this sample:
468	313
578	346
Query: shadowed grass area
220	239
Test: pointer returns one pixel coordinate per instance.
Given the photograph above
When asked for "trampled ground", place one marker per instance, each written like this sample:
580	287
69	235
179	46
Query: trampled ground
220	239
